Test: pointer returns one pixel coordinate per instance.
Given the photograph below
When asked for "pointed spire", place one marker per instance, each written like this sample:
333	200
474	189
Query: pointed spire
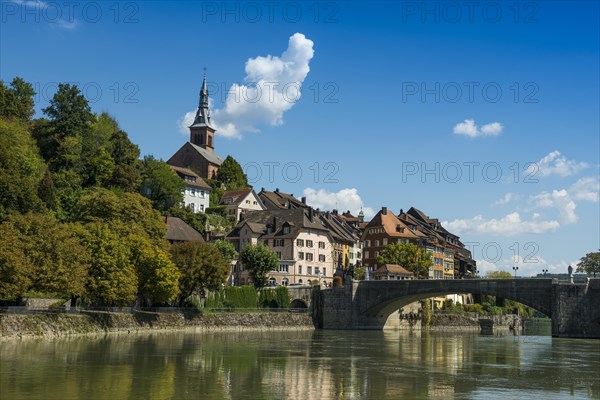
203	114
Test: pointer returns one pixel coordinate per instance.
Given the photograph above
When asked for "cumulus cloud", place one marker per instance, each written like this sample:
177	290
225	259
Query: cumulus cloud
470	129
509	225
556	164
586	189
272	86
561	200
345	199
507	198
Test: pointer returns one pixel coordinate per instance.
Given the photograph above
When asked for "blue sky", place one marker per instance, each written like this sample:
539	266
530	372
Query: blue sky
388	90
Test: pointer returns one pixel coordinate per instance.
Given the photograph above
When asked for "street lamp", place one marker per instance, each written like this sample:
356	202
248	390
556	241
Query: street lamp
515	269
545	271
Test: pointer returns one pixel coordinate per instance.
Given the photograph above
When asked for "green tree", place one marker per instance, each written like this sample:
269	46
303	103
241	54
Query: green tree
17	101
590	264
126	174
56	261
226	249
21	169
70	121
202	267
158	277
160	184
14	267
124	210
231	176
259	260
112	275
407	255
498	275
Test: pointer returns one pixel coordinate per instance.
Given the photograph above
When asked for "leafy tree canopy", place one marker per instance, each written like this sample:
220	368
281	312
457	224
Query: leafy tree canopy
590	264
231	176
201	266
407	255
17	101
160	184
498	275
226	249
259	260
21	169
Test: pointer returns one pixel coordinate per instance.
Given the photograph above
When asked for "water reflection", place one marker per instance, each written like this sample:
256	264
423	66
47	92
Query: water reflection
300	365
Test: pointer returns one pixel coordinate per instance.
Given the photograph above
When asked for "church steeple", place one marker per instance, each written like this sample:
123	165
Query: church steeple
202	131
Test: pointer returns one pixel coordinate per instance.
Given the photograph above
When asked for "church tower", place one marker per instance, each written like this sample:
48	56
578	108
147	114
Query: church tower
202	132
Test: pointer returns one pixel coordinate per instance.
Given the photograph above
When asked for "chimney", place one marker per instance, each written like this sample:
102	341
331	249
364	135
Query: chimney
334	212
310	214
274	224
303	199
262	189
276	190
384	210
401	212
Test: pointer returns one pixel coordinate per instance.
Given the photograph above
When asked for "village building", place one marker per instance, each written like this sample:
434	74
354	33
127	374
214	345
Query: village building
298	238
239	202
196	194
392	272
179	232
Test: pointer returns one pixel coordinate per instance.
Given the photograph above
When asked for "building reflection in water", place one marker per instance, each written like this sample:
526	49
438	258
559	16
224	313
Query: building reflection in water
306	365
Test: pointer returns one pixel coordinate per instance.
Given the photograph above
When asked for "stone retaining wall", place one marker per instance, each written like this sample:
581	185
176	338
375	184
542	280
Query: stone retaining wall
57	325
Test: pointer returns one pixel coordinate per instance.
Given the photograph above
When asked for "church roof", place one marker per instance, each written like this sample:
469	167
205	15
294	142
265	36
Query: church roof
208	155
203	114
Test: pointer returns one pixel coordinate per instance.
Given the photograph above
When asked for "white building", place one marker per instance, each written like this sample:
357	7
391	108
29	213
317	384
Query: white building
196	195
241	201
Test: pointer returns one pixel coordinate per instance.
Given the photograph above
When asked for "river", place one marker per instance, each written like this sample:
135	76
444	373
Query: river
303	365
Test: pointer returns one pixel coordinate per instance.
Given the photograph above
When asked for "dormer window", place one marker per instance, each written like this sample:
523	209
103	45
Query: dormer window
286	229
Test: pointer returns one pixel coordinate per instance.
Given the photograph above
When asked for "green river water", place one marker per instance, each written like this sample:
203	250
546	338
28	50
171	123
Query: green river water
303	365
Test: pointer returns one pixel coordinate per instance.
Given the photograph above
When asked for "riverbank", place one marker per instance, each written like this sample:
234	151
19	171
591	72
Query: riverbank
471	322
14	326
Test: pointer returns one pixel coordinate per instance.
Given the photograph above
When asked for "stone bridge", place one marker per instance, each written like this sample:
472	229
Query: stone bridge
574	308
300	296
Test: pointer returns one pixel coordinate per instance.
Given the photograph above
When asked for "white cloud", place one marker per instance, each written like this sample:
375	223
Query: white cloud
509	225
345	199
586	189
470	129
555	164
560	200
272	87
51	13
507	198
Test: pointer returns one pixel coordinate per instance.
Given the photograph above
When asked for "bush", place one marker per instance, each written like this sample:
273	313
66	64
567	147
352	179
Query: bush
274	298
474	308
496	310
240	297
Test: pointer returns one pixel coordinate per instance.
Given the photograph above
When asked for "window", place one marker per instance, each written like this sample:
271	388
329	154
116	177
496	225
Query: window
299	269
272	281
385	241
317	271
309	257
201	207
309	270
284	281
299	242
321	258
193	207
202	193
286	230
278	243
278	253
367	243
324	271
309	243
283	268
376	243
437	261
300	255
366	254
255	203
321	245
247	201
266	242
192	192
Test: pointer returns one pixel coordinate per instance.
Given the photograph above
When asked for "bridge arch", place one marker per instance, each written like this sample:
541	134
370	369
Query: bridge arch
377	301
298	303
